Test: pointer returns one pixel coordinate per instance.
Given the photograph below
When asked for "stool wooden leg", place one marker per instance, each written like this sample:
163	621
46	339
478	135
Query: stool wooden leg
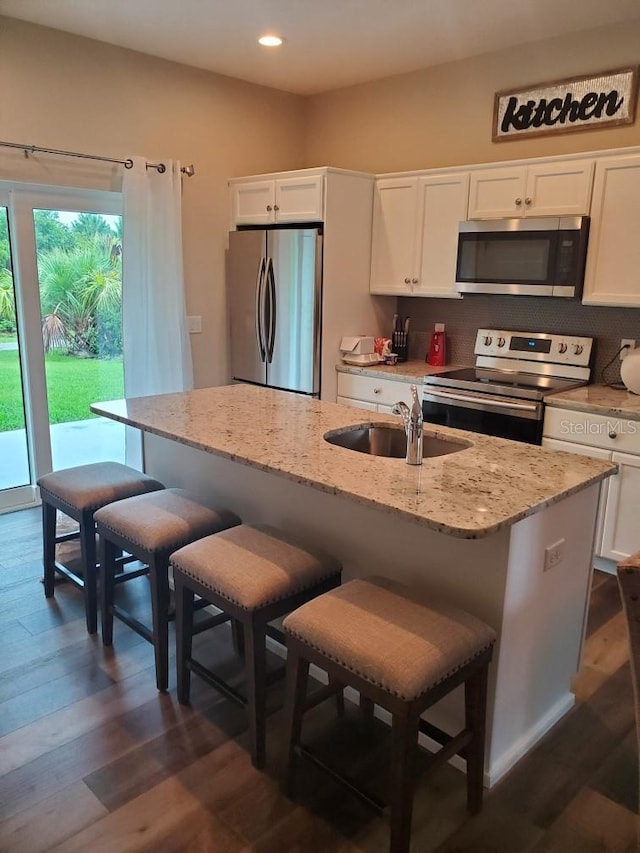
404	744
367	708
237	636
295	695
255	668
475	700
184	637
159	576
48	547
88	554
107	571
339	695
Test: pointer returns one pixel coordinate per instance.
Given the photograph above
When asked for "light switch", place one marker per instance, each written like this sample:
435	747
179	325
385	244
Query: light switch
194	324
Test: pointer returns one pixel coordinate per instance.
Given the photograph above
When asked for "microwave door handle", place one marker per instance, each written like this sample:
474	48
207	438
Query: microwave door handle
481	398
259	317
271	286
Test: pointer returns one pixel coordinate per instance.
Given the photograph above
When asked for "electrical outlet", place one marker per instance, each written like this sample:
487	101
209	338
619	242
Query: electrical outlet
553	555
627	342
194	323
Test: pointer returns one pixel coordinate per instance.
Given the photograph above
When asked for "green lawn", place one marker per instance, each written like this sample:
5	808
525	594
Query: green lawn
72	384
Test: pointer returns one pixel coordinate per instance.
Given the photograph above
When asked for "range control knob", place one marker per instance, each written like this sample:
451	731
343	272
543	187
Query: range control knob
578	348
562	347
488	340
501	342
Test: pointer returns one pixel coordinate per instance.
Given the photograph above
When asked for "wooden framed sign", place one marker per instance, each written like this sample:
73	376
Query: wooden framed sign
577	103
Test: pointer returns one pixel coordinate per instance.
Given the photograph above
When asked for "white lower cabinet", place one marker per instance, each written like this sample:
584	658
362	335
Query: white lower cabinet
368	392
614	439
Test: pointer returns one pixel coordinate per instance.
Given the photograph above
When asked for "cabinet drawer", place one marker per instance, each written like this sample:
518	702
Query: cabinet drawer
357	404
608	432
384	391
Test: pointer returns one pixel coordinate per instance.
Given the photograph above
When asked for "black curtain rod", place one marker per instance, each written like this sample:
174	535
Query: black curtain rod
189	171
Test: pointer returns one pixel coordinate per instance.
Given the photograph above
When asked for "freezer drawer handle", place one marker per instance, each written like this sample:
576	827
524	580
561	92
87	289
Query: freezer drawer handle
260	308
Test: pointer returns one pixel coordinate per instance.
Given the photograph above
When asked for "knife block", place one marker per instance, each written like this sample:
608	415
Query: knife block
400	341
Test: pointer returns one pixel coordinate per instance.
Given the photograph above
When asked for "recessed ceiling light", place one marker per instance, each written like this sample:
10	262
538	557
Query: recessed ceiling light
270	41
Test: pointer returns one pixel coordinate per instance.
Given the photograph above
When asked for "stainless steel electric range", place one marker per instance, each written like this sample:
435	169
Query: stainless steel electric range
504	393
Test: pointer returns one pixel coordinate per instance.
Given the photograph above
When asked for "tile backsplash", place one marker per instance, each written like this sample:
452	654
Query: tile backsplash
463	317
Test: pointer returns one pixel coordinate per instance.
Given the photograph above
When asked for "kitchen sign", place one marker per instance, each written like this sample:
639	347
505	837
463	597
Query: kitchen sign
578	103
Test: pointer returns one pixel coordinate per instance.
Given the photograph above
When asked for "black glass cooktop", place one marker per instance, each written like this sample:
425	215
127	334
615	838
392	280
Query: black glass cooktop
507	382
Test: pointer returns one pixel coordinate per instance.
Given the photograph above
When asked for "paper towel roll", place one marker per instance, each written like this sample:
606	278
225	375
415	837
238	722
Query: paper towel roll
630	371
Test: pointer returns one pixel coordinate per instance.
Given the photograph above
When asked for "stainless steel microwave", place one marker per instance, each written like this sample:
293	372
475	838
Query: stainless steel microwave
543	256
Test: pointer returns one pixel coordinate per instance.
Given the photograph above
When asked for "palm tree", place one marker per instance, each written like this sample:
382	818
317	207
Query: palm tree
77	289
7	300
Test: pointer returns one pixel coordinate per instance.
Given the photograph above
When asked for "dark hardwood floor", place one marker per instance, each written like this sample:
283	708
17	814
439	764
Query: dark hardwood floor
92	757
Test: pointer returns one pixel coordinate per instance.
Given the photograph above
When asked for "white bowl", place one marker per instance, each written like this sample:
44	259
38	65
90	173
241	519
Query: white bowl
630	371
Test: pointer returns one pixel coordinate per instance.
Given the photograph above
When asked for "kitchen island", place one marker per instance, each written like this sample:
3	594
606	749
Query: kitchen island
502	529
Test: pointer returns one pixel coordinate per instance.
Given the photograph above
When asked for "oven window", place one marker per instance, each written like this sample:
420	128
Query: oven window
487	423
504	258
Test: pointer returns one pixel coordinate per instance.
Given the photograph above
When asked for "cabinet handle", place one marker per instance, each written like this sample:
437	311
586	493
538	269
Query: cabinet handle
269	208
407	281
518	202
276	207
414	281
613	434
377	390
527	201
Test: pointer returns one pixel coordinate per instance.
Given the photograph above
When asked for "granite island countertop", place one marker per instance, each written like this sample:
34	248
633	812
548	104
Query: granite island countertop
598	400
490	484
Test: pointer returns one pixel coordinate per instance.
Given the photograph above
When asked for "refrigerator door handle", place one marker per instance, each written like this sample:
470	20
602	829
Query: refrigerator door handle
260	309
271	284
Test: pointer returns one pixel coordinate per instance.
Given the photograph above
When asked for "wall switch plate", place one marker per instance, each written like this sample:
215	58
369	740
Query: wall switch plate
194	324
554	555
628	342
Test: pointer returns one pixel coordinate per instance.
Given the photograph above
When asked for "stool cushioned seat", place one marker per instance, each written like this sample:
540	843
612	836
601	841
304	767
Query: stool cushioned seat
163	521
383	632
88	487
253	565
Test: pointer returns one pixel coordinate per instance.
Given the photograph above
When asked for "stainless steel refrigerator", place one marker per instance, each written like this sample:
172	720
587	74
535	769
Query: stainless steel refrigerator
274	293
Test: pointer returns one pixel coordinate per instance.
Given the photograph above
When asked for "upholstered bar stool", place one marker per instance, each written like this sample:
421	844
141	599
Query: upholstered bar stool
404	655
150	527
78	492
253	574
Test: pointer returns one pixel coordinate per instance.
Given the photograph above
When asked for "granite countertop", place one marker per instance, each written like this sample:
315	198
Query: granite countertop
598	400
412	371
490	484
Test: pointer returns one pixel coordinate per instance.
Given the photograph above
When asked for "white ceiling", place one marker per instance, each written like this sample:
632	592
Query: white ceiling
329	43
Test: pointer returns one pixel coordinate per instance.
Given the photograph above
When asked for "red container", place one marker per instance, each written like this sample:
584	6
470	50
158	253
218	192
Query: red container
437	355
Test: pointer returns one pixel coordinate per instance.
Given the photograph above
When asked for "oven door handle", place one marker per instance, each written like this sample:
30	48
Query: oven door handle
483	399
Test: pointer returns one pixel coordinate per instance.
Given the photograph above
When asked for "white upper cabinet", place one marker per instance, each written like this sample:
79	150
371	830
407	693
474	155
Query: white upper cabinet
394	266
415	234
442	204
613	262
298	198
559	188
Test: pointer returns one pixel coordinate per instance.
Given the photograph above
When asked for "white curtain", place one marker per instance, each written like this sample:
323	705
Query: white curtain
157	352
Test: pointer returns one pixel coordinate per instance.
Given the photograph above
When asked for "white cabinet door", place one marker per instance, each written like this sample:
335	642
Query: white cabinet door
442	204
393	249
621	531
559	189
253	202
496	193
613	262
594	453
299	199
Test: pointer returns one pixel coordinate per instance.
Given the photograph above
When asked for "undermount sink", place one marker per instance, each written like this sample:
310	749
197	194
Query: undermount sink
390	441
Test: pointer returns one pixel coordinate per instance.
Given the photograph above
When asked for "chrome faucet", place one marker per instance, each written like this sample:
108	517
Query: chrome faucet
412	420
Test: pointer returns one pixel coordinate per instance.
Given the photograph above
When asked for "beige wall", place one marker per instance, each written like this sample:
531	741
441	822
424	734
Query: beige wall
443	115
62	91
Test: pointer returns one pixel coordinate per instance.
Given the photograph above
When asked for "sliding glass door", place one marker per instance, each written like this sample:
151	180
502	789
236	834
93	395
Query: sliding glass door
64	338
